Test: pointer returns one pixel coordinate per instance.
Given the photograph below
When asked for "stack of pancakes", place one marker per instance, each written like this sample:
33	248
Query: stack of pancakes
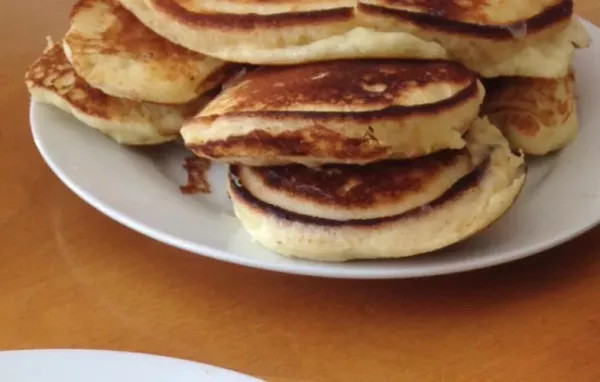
352	159
353	129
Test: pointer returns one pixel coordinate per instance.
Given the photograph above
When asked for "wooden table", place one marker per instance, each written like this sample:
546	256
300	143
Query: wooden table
71	277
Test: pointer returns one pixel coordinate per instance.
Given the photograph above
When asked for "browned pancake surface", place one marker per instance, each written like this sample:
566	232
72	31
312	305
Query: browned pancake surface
485	18
353	85
357	186
293	144
53	72
128	35
256	13
468	182
476	11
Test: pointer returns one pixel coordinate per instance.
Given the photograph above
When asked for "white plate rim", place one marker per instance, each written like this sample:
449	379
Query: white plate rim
100	356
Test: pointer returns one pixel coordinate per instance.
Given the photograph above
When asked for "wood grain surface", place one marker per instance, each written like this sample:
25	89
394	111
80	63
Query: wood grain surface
71	277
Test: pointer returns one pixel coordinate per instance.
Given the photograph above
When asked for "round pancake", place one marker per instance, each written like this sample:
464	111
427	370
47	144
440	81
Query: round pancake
494	38
114	52
52	80
347	192
349	111
281	32
470	205
537	115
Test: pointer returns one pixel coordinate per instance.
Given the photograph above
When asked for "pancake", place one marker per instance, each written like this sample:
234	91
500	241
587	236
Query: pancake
52	80
349	111
112	51
537	115
345	192
281	32
386	221
533	38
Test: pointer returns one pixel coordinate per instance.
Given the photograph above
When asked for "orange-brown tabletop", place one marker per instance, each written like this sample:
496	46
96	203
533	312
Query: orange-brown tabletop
71	277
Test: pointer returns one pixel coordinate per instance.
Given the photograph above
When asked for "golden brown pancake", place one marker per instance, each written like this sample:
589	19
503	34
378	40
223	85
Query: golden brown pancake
52	80
114	52
346	192
280	32
495	38
349	111
537	115
386	223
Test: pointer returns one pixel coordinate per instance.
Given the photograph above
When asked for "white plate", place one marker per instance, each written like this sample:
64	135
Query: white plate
139	188
106	366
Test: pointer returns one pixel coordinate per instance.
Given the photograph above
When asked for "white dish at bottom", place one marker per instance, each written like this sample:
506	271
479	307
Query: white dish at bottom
104	366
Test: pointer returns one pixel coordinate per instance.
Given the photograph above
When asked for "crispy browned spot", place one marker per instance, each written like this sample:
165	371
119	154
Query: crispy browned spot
53	71
197	182
358	186
248	21
449	9
292	143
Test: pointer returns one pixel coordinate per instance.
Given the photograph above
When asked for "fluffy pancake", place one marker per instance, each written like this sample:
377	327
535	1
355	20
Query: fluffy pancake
533	38
537	115
467	207
279	32
52	80
349	111
347	192
114	52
